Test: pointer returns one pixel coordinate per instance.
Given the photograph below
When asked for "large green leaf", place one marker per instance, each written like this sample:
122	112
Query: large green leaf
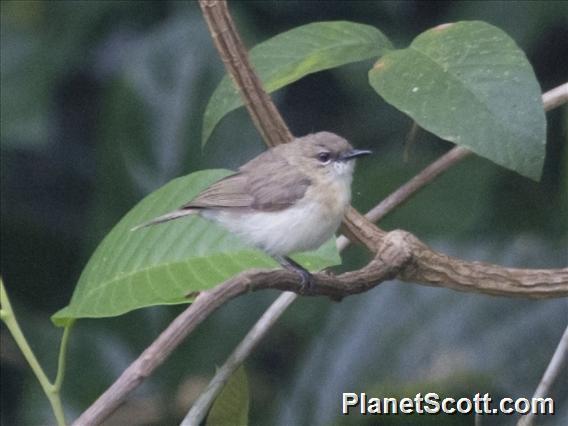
161	264
294	54
469	83
231	407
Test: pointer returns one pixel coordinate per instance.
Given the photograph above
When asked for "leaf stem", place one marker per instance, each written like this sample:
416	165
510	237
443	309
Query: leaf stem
51	391
61	361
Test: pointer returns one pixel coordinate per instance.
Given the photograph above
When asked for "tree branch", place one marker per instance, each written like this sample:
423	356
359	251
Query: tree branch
264	114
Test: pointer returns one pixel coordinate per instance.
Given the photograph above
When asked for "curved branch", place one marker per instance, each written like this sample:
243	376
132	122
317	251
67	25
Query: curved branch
432	268
398	254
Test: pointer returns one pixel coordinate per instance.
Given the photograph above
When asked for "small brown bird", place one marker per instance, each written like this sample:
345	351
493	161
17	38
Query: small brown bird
290	198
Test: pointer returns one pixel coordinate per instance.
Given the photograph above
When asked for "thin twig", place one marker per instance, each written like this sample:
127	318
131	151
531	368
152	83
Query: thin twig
557	364
449	159
263	325
61	360
410	140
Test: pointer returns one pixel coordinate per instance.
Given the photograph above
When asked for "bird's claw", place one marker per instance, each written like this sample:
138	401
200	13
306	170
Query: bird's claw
306	282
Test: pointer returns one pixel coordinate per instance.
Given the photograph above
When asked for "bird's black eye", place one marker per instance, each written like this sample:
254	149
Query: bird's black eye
324	157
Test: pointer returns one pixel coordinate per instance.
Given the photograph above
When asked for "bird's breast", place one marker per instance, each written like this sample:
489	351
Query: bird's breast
333	195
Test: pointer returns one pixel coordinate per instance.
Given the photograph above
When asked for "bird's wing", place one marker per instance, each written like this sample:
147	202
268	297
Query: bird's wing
274	191
229	192
255	187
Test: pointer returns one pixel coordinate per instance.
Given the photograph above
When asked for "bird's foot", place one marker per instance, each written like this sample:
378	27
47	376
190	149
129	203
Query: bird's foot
306	278
306	281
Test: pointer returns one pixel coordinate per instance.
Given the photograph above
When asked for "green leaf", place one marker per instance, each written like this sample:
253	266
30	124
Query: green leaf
161	264
232	405
294	54
469	83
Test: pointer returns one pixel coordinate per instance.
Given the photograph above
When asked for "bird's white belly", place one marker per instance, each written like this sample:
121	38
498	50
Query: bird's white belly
304	226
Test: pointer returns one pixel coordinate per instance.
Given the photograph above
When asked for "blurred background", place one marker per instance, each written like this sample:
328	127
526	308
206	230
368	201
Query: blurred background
102	102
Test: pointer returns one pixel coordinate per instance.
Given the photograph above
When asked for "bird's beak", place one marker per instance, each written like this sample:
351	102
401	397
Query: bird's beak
354	153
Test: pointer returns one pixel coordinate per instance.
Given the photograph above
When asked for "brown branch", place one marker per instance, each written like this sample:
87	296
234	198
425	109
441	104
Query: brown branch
156	354
264	114
433	268
398	254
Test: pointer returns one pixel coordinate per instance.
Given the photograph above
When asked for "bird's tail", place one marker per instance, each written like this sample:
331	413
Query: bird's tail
166	218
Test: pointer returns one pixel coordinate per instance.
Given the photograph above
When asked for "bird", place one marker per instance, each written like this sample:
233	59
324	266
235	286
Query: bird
290	198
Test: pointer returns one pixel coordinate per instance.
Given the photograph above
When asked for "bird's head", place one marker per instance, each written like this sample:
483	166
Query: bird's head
325	154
